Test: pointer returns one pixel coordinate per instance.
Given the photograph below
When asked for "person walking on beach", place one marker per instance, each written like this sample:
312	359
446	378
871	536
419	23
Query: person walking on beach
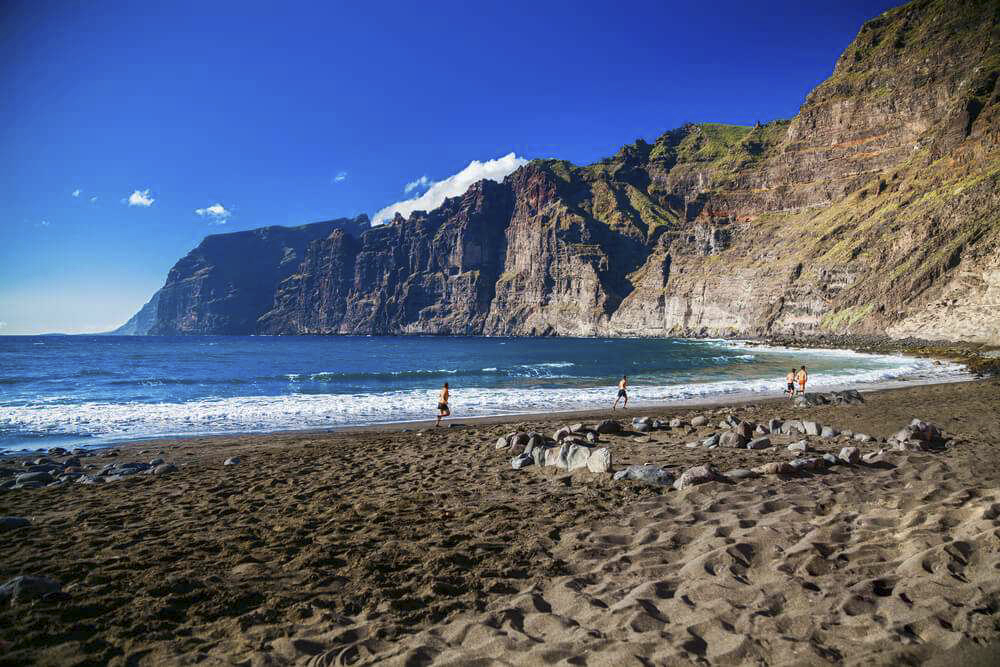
622	393
790	384
802	377
443	409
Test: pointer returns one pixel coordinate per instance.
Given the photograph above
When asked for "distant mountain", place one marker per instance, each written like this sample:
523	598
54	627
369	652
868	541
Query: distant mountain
875	210
142	322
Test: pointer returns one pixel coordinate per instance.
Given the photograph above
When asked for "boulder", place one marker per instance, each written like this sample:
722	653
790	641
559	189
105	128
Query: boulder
558	457
33	477
698	475
711	441
732	439
810	464
741	473
811	428
761	430
774	425
609	426
873	458
58	451
745	429
648	474
792	427
677	422
700	420
850	454
800	446
560	434
534	440
774	468
577	428
521	460
642	420
642	427
600	460
577	456
28	588
501	443
164	468
537	452
863	437
759	443
828	432
520	439
12	522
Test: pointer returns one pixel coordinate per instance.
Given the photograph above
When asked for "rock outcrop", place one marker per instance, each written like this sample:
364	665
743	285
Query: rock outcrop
872	211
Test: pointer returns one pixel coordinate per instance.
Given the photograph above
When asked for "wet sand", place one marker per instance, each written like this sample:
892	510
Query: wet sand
378	545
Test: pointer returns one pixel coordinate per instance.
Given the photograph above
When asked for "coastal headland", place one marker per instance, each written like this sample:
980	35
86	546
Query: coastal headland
413	544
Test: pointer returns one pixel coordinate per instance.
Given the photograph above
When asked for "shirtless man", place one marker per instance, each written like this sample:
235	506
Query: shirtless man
790	382
443	409
622	393
802	376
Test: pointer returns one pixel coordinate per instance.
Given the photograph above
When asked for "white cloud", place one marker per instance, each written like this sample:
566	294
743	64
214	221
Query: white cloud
453	186
76	193
93	199
421	182
216	213
340	177
140	198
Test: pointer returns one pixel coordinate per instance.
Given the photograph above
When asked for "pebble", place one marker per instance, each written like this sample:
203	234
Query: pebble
232	461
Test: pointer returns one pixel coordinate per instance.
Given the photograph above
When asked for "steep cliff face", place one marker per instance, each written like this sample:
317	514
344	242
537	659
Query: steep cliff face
142	322
225	284
874	210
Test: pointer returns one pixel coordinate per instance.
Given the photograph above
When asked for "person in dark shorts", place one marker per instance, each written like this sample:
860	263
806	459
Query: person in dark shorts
790	381
443	409
622	393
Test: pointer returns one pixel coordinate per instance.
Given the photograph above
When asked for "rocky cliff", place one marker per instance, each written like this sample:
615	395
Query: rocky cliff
874	210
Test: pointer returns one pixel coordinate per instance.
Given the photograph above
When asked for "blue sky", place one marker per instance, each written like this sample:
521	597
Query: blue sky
287	113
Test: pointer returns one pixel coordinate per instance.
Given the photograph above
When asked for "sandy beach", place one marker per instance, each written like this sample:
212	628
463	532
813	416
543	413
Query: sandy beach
414	545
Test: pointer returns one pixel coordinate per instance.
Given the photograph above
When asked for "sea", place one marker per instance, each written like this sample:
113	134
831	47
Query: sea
89	391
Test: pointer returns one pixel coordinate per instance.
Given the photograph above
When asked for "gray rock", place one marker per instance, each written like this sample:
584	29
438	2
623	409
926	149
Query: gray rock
741	473
44	468
609	426
537	452
850	454
164	468
58	451
698	475
600	460
711	441
800	446
774	468
831	459
828	432
41	462
812	428
677	422
761	430
501	443
89	480
863	437
642	420
592	437
774	425
692	445
792	427
28	588
33	477
732	439
875	457
700	420
910	446
520	439
745	429
648	474
642	427
12	522
72	463
534	440
577	457
577	428
521	460
558	456
759	443
232	461
812	464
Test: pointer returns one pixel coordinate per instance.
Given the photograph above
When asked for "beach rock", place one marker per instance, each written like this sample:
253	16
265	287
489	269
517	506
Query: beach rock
642	427
164	468
41	462
28	587
759	443
774	468
642	420
33	477
592	437
501	443
577	456
520	439
12	522
577	428
831	459
557	457
873	458
600	460
521	460
677	422
774	425
648	474
910	446
692	445
44	468
537	451
57	451
863	437
800	446
534	440
698	475
609	426
80	452
109	453
828	432
745	429
810	464
561	434
761	430
711	441
811	428
741	473
232	461
792	427
700	420
732	439
72	463
850	454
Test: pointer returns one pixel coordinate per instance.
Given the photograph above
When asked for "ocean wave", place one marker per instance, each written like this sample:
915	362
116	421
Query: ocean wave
109	420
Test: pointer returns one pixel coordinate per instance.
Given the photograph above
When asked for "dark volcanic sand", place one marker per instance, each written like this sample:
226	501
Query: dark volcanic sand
376	545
